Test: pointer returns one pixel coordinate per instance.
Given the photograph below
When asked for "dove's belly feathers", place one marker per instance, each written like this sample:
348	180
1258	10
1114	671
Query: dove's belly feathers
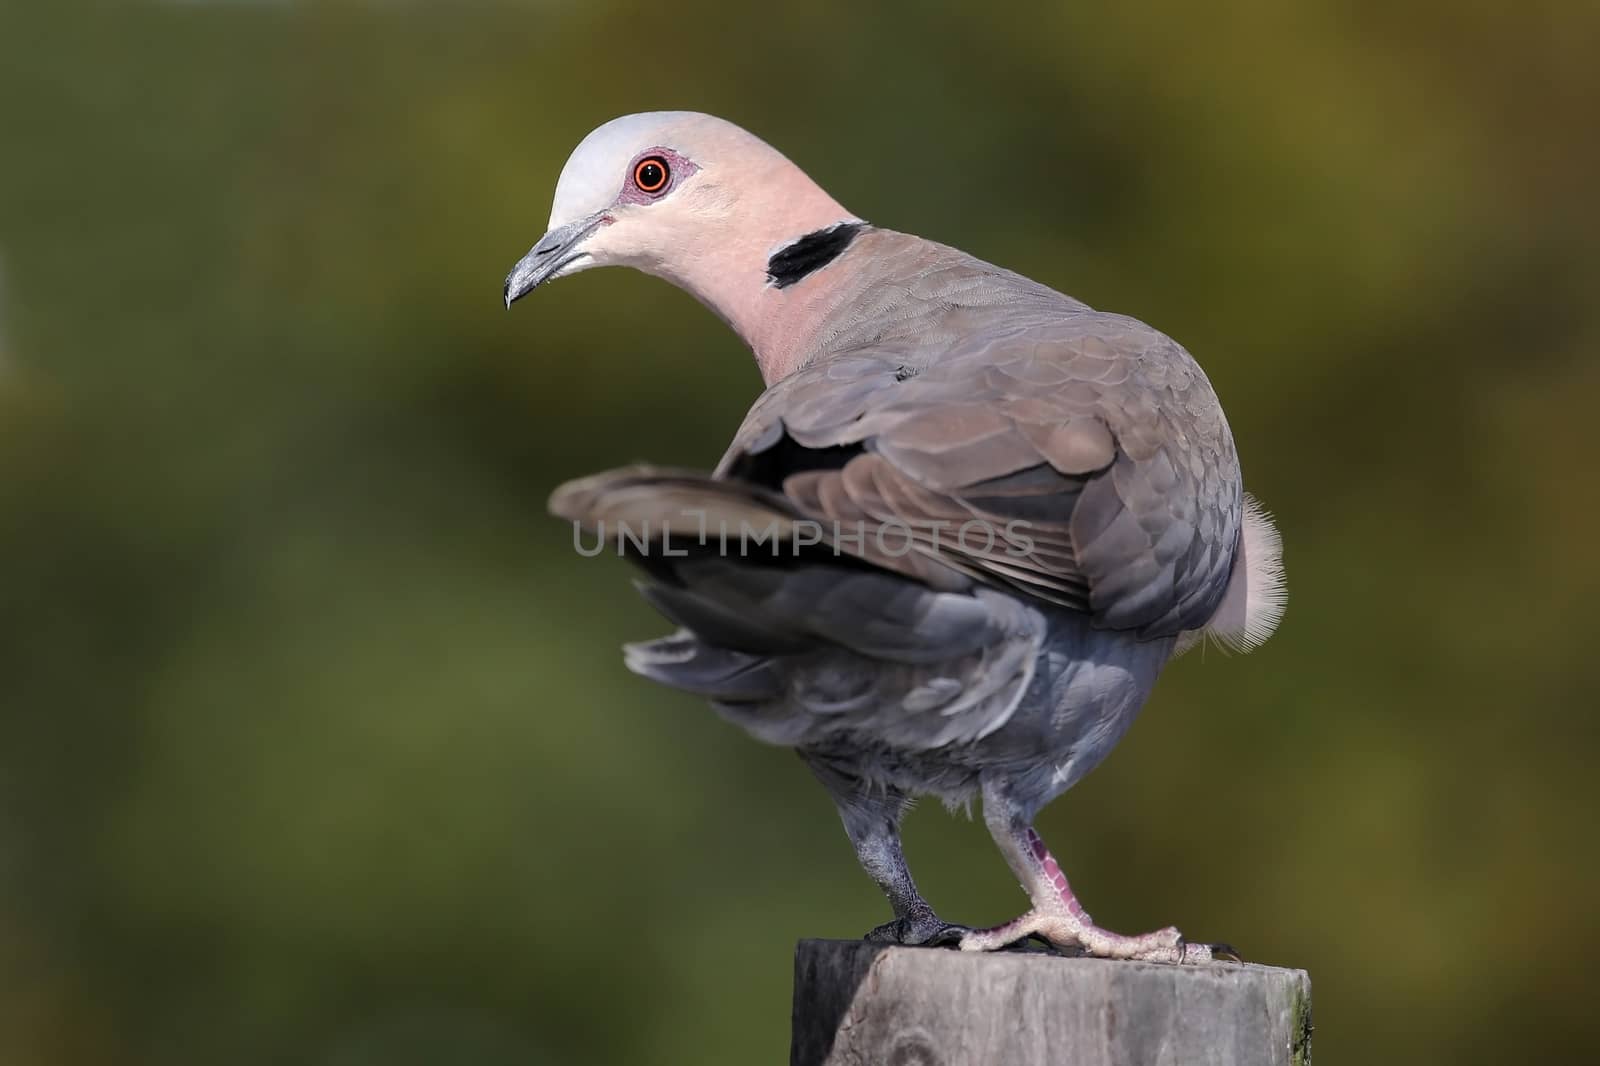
1030	690
1082	690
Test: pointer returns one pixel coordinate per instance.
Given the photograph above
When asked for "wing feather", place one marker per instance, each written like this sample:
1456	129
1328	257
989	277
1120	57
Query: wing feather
1089	446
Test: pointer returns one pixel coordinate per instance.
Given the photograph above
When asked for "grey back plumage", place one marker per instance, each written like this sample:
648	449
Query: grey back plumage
1088	448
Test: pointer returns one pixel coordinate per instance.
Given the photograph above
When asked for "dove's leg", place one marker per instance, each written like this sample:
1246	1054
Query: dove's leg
1057	915
871	818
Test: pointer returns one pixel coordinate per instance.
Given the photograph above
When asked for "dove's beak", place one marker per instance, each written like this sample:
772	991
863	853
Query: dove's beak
558	252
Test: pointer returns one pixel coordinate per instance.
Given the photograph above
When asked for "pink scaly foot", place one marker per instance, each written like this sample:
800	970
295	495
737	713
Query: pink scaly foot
1058	917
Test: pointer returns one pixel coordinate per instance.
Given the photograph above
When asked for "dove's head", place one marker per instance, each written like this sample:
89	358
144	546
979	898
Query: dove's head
692	199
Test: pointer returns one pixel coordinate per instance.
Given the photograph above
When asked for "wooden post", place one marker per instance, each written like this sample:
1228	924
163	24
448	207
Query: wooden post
860	1004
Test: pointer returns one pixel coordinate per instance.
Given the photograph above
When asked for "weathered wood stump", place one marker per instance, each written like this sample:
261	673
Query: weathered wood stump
860	1004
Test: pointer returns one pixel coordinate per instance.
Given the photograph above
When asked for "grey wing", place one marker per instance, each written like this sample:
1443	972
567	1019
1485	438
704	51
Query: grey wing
796	655
794	644
1081	459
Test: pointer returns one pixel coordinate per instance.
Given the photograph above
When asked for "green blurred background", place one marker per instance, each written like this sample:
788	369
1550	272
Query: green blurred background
315	745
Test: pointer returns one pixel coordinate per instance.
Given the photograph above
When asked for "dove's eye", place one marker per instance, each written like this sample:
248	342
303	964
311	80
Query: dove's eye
651	174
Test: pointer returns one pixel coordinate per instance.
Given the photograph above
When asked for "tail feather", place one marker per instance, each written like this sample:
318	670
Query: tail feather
653	500
1257	591
734	624
682	661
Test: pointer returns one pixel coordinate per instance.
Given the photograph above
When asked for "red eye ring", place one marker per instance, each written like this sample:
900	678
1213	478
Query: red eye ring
651	174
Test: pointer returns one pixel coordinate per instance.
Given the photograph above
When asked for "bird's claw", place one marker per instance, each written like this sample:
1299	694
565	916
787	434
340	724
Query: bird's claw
1210	953
918	931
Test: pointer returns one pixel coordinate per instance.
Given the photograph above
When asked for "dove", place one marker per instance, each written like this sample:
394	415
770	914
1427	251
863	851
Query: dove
955	540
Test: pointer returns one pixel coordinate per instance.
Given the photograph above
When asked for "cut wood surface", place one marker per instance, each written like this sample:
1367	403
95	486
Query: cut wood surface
861	1004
